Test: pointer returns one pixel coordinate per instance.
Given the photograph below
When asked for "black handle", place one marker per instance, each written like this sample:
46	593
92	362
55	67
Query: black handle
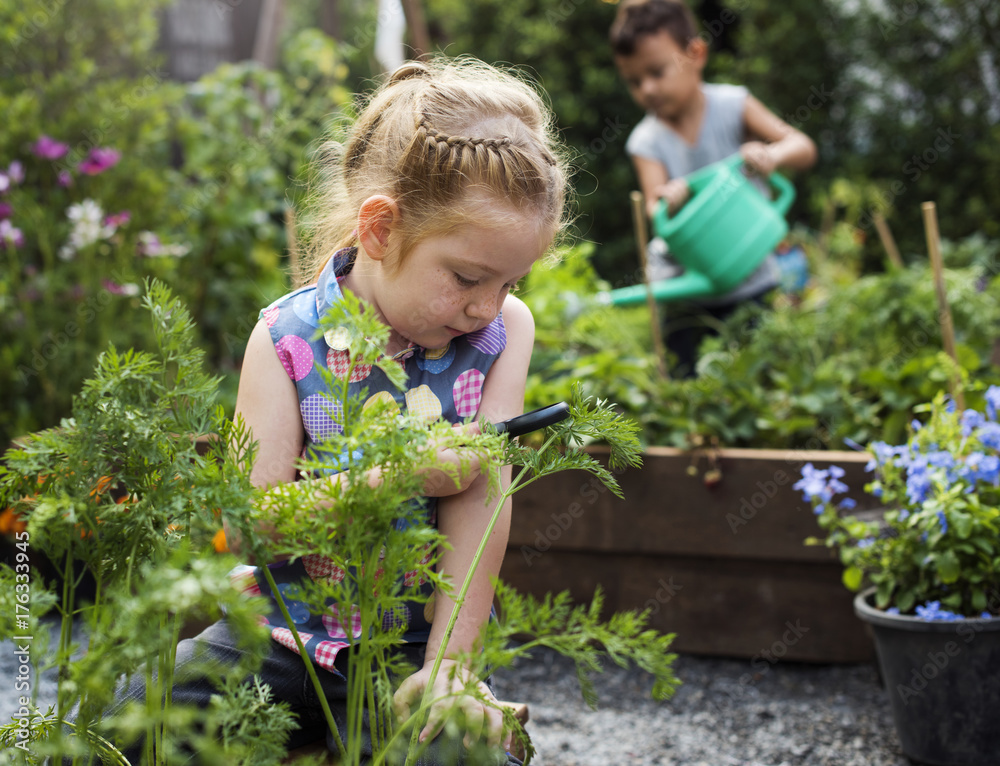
532	421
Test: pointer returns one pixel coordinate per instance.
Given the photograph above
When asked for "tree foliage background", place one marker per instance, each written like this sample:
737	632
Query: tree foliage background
902	98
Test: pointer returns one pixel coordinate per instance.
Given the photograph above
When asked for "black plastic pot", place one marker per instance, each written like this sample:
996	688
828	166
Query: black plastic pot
943	680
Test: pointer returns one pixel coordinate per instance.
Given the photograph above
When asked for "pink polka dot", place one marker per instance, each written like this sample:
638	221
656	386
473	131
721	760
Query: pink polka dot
468	392
296	356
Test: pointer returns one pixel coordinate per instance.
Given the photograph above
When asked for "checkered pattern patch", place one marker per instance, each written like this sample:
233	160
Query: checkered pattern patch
321	415
381	396
468	391
413	577
339	363
335	627
423	404
326	653
322	568
284	637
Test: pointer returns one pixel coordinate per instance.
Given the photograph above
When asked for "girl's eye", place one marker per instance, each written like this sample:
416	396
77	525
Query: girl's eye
465	281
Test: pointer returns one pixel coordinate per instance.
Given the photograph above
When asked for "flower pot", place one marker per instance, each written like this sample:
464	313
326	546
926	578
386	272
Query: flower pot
942	682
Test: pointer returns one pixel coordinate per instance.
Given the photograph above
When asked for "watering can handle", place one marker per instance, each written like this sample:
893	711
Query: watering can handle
786	191
784	200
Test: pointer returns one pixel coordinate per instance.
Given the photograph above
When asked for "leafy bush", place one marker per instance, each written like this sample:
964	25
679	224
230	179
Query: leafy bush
847	362
202	174
123	488
936	543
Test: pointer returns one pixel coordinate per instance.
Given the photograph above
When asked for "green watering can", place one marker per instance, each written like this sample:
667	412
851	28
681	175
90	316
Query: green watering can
723	233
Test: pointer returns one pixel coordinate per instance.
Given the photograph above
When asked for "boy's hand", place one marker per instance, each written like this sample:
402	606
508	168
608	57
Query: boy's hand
676	192
758	157
481	720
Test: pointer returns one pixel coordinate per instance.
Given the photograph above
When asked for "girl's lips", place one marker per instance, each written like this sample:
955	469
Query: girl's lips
454	333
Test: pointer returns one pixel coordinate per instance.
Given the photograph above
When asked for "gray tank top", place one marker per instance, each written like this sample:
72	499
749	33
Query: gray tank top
721	135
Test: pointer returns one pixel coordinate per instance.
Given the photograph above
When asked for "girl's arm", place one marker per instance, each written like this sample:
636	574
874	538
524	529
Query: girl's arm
774	144
463	519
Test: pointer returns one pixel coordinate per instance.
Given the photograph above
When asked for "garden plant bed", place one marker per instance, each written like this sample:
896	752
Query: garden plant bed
725	566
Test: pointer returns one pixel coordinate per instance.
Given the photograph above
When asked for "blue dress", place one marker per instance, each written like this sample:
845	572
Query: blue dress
441	383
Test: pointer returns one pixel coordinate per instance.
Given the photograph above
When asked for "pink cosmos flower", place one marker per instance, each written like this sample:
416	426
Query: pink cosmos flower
99	160
9	235
5	210
118	219
49	149
65	179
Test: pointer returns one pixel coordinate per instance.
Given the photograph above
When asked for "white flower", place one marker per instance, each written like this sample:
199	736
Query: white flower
88	228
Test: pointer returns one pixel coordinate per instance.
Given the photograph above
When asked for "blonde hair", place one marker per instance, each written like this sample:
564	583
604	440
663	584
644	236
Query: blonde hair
439	137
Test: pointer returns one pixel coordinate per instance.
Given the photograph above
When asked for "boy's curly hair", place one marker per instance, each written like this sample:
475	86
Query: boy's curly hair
636	19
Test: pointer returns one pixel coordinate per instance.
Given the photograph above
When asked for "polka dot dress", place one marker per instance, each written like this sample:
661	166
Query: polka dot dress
441	383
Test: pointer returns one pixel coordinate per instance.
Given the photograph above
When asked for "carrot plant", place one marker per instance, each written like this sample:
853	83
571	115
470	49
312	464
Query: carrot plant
123	489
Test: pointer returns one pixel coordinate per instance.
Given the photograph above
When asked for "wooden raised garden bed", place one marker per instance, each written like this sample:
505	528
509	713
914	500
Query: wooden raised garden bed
724	567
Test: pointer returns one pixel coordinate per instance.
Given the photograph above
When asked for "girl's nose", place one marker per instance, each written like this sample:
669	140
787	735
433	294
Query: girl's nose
484	306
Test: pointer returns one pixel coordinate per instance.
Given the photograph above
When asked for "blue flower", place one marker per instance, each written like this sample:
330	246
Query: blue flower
992	402
989	435
932	611
978	467
820	484
866	543
892	610
971	420
916	425
847	504
943	520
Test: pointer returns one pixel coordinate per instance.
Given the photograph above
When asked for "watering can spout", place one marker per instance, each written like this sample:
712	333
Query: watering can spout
687	286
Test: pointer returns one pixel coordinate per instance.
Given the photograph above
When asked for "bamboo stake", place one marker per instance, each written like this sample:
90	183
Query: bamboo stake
420	39
944	311
639	221
888	242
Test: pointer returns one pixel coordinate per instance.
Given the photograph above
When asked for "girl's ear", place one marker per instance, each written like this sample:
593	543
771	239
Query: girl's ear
377	216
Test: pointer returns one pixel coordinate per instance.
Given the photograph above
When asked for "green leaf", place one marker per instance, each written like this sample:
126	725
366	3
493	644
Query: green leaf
852	578
948	566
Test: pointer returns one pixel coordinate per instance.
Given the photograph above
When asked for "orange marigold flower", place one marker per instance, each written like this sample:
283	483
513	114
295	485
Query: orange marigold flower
101	487
10	524
219	542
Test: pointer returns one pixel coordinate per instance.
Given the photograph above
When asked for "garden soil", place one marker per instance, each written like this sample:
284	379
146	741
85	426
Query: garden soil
726	713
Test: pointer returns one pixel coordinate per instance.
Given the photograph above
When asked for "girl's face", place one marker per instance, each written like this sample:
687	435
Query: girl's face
661	76
455	283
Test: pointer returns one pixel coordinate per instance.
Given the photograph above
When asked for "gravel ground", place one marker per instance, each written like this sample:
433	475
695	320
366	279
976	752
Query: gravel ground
795	714
815	715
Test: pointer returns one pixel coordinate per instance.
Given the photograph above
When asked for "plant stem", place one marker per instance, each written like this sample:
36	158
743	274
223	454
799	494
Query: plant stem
328	714
467	583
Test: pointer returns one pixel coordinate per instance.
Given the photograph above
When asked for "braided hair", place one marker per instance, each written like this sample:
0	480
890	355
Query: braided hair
446	140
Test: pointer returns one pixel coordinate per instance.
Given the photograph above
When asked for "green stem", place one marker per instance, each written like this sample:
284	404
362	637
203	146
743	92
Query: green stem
328	714
467	583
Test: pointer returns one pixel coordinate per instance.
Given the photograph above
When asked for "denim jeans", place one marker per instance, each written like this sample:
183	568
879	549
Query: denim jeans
285	673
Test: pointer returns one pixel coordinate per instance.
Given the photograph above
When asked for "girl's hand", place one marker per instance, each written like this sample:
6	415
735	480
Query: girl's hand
758	157
439	481
676	192
482	720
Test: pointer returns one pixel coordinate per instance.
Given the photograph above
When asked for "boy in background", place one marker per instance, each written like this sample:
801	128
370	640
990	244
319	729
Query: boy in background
690	124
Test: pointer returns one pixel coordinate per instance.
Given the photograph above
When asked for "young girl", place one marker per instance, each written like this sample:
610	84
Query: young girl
447	191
